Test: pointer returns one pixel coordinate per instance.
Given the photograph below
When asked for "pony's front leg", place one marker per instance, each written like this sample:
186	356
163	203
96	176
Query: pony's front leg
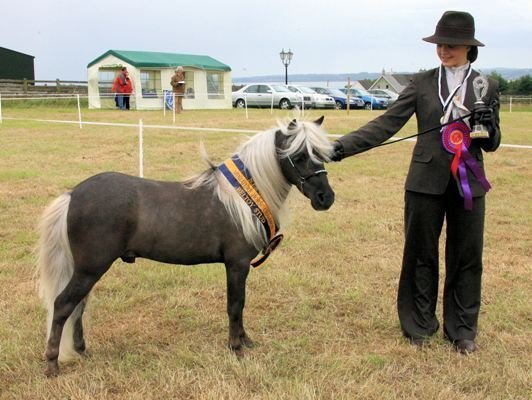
237	273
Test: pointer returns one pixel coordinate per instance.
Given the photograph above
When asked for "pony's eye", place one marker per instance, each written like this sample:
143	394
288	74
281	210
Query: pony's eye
299	157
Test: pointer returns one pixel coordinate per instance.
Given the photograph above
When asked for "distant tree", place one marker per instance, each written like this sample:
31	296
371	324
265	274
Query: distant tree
503	83
522	86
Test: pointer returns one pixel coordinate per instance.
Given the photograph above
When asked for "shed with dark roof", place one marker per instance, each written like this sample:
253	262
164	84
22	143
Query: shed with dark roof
16	65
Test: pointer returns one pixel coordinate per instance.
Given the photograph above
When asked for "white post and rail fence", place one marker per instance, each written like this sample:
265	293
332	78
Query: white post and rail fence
11	89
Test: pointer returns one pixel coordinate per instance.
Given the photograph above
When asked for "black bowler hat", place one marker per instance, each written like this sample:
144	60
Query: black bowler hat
455	28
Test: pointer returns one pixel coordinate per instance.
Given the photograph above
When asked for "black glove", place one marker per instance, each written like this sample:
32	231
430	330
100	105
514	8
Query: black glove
483	115
337	152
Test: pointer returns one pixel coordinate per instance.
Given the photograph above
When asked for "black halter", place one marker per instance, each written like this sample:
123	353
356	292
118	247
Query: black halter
303	179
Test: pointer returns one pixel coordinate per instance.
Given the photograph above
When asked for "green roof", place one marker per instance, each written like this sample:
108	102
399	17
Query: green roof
155	60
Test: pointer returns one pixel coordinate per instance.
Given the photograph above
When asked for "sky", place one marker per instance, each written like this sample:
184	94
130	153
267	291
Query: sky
334	36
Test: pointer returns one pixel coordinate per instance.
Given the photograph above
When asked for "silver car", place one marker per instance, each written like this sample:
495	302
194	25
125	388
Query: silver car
387	94
312	98
263	94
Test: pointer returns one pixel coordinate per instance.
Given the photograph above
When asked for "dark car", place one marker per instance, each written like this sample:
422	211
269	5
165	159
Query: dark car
339	98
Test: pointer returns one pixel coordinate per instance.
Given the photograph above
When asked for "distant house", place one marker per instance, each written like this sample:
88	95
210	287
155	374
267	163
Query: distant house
364	84
357	85
15	65
392	81
208	81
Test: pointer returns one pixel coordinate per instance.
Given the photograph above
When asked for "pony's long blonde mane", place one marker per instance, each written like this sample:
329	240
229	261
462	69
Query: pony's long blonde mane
259	155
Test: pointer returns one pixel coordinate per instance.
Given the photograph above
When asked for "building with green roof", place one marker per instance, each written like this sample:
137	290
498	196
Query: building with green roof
207	80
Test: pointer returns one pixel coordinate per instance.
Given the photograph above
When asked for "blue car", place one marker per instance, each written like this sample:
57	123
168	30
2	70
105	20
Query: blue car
340	98
370	100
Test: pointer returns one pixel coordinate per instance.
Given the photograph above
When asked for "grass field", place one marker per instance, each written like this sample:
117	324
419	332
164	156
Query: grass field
321	312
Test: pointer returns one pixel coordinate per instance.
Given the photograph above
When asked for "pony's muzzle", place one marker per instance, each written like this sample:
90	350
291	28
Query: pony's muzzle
322	199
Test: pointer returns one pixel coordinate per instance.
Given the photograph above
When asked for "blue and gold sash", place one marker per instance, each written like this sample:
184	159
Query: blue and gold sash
239	177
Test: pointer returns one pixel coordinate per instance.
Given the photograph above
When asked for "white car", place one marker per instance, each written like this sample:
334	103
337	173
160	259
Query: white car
263	94
311	98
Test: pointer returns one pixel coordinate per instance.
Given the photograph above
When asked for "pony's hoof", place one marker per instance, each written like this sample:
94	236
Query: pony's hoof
238	350
239	353
84	353
51	371
246	341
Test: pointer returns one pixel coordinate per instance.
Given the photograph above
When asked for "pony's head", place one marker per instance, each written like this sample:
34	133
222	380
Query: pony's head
276	159
302	149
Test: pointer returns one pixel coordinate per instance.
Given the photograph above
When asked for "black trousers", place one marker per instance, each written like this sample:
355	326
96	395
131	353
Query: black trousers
418	284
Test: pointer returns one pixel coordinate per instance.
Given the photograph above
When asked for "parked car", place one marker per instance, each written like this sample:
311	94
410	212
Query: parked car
340	98
370	101
312	98
386	93
260	95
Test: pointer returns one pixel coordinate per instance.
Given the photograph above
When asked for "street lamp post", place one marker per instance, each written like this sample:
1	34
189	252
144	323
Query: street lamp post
286	57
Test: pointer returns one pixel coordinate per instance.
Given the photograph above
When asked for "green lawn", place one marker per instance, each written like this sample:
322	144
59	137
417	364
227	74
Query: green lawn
321	311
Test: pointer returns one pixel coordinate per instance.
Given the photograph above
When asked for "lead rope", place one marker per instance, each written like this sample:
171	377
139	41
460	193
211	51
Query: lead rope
418	134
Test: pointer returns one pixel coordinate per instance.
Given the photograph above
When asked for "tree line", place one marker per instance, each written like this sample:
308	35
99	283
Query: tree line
521	86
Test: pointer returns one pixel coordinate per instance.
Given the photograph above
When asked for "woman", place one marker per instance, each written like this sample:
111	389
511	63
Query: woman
178	85
119	86
445	181
127	91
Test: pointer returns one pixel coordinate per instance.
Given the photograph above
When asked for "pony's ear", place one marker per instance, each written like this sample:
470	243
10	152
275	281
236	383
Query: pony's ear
292	124
319	121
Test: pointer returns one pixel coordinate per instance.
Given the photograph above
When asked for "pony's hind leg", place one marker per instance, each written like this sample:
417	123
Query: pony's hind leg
79	340
65	304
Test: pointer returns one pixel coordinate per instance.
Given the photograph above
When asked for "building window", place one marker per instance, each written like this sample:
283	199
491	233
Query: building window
106	78
190	93
150	82
215	85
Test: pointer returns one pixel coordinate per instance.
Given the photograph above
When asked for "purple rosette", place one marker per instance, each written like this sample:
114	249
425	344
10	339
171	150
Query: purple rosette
456	139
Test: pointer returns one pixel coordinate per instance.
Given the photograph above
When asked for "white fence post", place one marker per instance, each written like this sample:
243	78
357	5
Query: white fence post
348	99
271	110
141	152
173	107
510	103
79	113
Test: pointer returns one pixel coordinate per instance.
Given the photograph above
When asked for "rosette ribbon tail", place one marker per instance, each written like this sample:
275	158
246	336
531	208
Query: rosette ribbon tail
477	171
466	189
456	139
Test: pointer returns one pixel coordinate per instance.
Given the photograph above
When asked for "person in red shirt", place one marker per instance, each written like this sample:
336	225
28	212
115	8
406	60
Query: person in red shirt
127	90
120	86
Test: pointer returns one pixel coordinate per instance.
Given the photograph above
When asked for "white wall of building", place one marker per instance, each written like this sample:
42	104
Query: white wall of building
200	100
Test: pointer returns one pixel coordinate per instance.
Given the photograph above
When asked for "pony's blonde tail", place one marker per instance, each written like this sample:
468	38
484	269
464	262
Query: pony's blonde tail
55	266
